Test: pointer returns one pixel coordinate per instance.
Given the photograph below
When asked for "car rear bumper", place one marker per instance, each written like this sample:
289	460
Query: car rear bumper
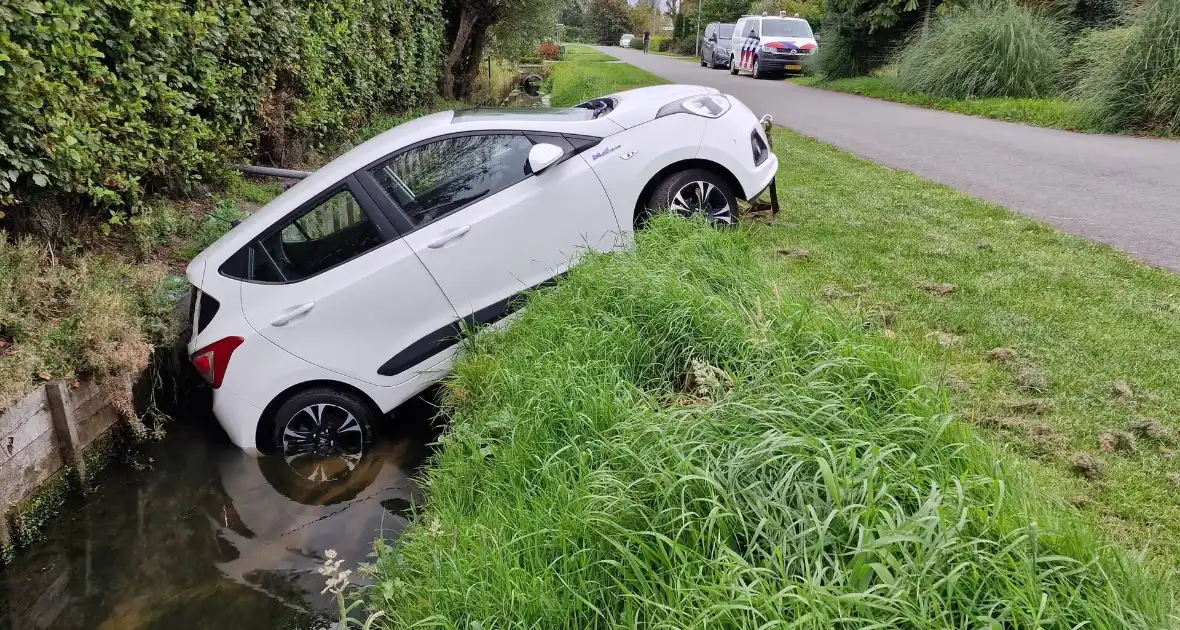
239	419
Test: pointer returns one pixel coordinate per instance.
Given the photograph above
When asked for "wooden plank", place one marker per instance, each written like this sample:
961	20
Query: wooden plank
16	414
64	426
31	466
95	426
33	427
90	408
5	535
84	393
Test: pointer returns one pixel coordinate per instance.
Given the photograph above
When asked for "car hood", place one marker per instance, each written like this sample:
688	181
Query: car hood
789	43
639	106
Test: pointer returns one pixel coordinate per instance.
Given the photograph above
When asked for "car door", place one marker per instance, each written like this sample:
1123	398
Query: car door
335	285
707	44
485	226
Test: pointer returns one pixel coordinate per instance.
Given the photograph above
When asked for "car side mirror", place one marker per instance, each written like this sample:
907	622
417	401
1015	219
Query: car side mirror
713	37
543	155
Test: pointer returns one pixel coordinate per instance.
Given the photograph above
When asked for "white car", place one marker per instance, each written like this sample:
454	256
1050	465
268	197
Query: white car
347	294
767	46
625	40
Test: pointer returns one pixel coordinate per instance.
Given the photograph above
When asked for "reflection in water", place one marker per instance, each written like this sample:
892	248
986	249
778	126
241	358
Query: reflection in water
210	537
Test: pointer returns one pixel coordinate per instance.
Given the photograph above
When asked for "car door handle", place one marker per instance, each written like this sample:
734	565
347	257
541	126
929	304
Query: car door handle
289	316
449	236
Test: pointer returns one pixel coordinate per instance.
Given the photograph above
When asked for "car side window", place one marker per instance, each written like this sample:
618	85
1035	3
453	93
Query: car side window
754	24
433	180
709	32
327	234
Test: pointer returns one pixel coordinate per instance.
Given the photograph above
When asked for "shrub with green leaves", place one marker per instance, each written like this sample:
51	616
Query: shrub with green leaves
985	49
667	441
1137	86
102	101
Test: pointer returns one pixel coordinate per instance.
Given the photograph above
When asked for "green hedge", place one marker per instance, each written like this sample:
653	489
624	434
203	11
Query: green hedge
106	100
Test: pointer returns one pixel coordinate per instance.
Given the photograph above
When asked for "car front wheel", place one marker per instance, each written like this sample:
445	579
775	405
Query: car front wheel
733	69
696	192
757	73
321	433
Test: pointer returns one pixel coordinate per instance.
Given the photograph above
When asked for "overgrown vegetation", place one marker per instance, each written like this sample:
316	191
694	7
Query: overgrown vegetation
103	102
1137	86
1107	77
983	51
669	439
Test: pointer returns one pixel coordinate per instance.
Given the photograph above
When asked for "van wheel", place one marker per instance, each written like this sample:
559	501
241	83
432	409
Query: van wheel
696	192
757	73
733	69
321	433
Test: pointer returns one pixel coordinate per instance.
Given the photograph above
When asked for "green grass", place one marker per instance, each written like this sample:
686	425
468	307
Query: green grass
581	53
675	438
577	80
1043	112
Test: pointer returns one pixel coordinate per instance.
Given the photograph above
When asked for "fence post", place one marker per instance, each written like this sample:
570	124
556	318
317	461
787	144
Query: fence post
64	428
5	535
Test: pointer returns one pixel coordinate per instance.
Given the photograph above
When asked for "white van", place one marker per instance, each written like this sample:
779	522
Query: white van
765	46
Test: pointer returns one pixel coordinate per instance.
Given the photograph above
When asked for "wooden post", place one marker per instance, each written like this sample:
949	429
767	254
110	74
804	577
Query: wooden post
64	428
5	535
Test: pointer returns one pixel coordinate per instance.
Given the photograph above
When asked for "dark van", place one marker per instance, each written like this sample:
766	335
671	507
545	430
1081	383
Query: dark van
715	45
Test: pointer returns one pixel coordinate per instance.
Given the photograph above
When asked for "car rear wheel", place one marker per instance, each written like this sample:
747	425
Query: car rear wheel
704	64
696	192
321	433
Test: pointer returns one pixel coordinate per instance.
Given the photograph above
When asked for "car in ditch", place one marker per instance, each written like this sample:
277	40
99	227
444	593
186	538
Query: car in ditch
347	294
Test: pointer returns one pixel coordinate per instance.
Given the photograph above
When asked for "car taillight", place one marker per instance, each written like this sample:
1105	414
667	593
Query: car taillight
212	360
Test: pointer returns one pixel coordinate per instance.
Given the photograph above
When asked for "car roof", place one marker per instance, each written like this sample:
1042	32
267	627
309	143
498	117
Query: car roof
395	139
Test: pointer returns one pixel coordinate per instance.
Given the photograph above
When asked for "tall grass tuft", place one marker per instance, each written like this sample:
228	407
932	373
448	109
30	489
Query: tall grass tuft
1138	86
665	441
985	49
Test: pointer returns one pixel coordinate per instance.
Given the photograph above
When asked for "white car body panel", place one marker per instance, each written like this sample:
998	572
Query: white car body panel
376	310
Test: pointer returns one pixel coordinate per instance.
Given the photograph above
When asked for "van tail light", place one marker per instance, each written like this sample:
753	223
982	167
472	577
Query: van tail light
212	360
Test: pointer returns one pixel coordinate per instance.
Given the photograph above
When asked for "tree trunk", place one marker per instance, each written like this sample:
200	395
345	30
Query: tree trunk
467	20
474	62
926	19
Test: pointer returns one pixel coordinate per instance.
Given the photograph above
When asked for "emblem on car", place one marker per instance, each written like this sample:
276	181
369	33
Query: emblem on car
606	152
630	154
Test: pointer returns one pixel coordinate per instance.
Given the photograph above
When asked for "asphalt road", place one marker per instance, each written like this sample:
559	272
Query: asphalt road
1117	190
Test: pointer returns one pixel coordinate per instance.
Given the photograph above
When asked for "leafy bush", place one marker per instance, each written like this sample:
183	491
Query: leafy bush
684	46
1138	85
636	43
667	441
549	51
985	50
661	44
103	101
859	35
843	55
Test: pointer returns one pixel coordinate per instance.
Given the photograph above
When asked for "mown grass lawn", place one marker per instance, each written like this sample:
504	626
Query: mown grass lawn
1043	112
955	278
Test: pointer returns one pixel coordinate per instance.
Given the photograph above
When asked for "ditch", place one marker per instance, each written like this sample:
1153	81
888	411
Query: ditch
198	534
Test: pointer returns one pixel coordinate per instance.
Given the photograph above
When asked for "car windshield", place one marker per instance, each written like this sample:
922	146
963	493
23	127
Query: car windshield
726	31
785	28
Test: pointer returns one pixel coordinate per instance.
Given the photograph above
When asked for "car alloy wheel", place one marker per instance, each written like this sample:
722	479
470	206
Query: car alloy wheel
757	73
703	198
733	67
322	442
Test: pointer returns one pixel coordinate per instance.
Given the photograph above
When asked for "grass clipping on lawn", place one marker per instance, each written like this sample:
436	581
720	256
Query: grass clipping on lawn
665	441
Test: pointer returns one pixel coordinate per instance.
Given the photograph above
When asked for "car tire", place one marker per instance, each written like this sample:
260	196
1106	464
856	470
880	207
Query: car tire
704	64
322	433
733	69
757	72
695	192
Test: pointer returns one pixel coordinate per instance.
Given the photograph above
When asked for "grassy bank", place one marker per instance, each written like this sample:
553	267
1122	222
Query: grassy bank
588	73
675	438
1042	112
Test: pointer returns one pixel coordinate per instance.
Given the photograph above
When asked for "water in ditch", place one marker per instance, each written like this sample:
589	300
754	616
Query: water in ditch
208	537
